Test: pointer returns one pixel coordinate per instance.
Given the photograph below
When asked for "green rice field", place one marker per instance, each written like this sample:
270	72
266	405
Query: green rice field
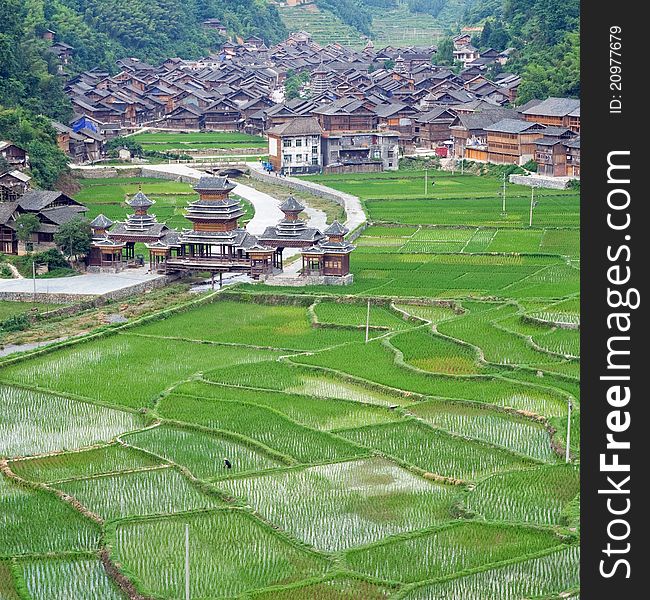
307	462
206	140
107	196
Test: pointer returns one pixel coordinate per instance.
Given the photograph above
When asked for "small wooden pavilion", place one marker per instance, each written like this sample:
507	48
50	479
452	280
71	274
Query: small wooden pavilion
105	252
330	257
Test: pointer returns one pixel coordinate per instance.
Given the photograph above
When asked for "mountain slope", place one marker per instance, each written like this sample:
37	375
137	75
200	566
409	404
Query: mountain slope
105	30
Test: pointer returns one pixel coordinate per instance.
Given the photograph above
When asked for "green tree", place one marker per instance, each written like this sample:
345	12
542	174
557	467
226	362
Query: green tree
445	54
35	134
74	237
26	226
292	85
484	40
115	144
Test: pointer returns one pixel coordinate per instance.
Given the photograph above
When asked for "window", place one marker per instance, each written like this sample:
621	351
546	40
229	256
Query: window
314	149
314	160
286	143
298	143
286	158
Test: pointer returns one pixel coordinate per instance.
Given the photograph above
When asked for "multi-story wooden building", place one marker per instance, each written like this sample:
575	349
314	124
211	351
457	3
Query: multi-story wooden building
13	184
397	116
222	115
559	112
346	114
14	155
216	243
552	153
468	133
185	117
432	128
573	157
511	141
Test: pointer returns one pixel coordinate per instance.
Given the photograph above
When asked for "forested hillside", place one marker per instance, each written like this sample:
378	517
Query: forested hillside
101	32
546	38
29	89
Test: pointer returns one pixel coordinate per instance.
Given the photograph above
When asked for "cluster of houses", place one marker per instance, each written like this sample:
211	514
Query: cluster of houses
358	110
17	198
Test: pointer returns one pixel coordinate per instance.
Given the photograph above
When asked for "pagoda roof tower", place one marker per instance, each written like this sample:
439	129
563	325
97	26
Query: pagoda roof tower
215	215
291	231
139	226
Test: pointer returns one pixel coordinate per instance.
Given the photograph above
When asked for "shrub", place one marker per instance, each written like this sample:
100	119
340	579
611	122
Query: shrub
15	323
531	165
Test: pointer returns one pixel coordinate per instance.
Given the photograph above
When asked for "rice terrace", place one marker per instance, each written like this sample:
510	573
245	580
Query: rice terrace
402	437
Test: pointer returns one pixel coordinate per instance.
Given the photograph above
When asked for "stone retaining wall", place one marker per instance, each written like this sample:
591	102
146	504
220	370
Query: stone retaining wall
305	186
146	172
299	280
86	301
553	183
106	172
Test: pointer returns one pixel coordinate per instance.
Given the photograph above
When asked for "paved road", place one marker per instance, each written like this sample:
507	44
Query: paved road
354	215
82	285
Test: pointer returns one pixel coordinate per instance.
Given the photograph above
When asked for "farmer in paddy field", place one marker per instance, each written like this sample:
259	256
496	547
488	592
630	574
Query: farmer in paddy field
227	463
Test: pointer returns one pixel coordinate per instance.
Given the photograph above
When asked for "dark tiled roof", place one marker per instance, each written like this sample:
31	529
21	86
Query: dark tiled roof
36	200
291	204
336	229
298	126
555	107
140	201
306	234
214	183
6	210
101	222
485	118
154	230
511	126
62	214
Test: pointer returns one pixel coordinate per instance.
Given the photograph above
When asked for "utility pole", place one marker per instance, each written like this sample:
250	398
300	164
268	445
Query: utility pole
368	322
503	206
34	280
568	431
426	181
187	561
532	202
